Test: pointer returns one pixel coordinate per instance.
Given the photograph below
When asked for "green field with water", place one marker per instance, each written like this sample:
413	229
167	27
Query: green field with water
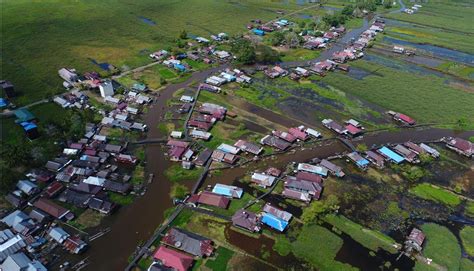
40	37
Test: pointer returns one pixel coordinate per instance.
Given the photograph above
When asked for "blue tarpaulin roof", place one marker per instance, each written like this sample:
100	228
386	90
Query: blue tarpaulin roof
28	125
227	190
3	102
179	67
391	154
259	32
274	222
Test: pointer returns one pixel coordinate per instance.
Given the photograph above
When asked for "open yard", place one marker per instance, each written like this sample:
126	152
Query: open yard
434	193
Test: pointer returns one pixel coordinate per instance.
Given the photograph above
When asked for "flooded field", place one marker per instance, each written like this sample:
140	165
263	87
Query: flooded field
436	51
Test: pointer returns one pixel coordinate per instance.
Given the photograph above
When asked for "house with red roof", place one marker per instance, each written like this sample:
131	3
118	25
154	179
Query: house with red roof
298	133
209	198
205	126
172	258
54	189
353	130
307	176
285	136
461	146
403	118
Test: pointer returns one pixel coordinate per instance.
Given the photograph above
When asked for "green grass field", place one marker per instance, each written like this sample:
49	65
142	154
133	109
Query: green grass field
176	173
372	240
451	15
444	23
40	37
319	246
221	260
413	94
467	237
429	192
440	241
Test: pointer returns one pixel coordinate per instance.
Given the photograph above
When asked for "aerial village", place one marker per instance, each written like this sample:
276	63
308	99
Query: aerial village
241	188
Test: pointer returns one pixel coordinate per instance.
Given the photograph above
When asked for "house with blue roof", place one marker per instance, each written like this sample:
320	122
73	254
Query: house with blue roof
19	222
23	115
258	32
179	67
58	234
360	161
391	155
27	187
274	222
228	190
31	129
3	102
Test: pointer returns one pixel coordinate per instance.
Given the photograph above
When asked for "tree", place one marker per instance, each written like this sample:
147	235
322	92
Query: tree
292	39
277	38
15	153
302	24
180	43
334	20
183	35
462	123
76	127
348	10
244	51
265	54
162	81
319	208
387	4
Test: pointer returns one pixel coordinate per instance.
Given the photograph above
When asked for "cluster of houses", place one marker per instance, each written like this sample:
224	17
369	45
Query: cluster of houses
207	53
213	82
317	40
351	128
82	177
355	50
259	29
399	153
413	9
282	140
203	119
29	232
126	107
